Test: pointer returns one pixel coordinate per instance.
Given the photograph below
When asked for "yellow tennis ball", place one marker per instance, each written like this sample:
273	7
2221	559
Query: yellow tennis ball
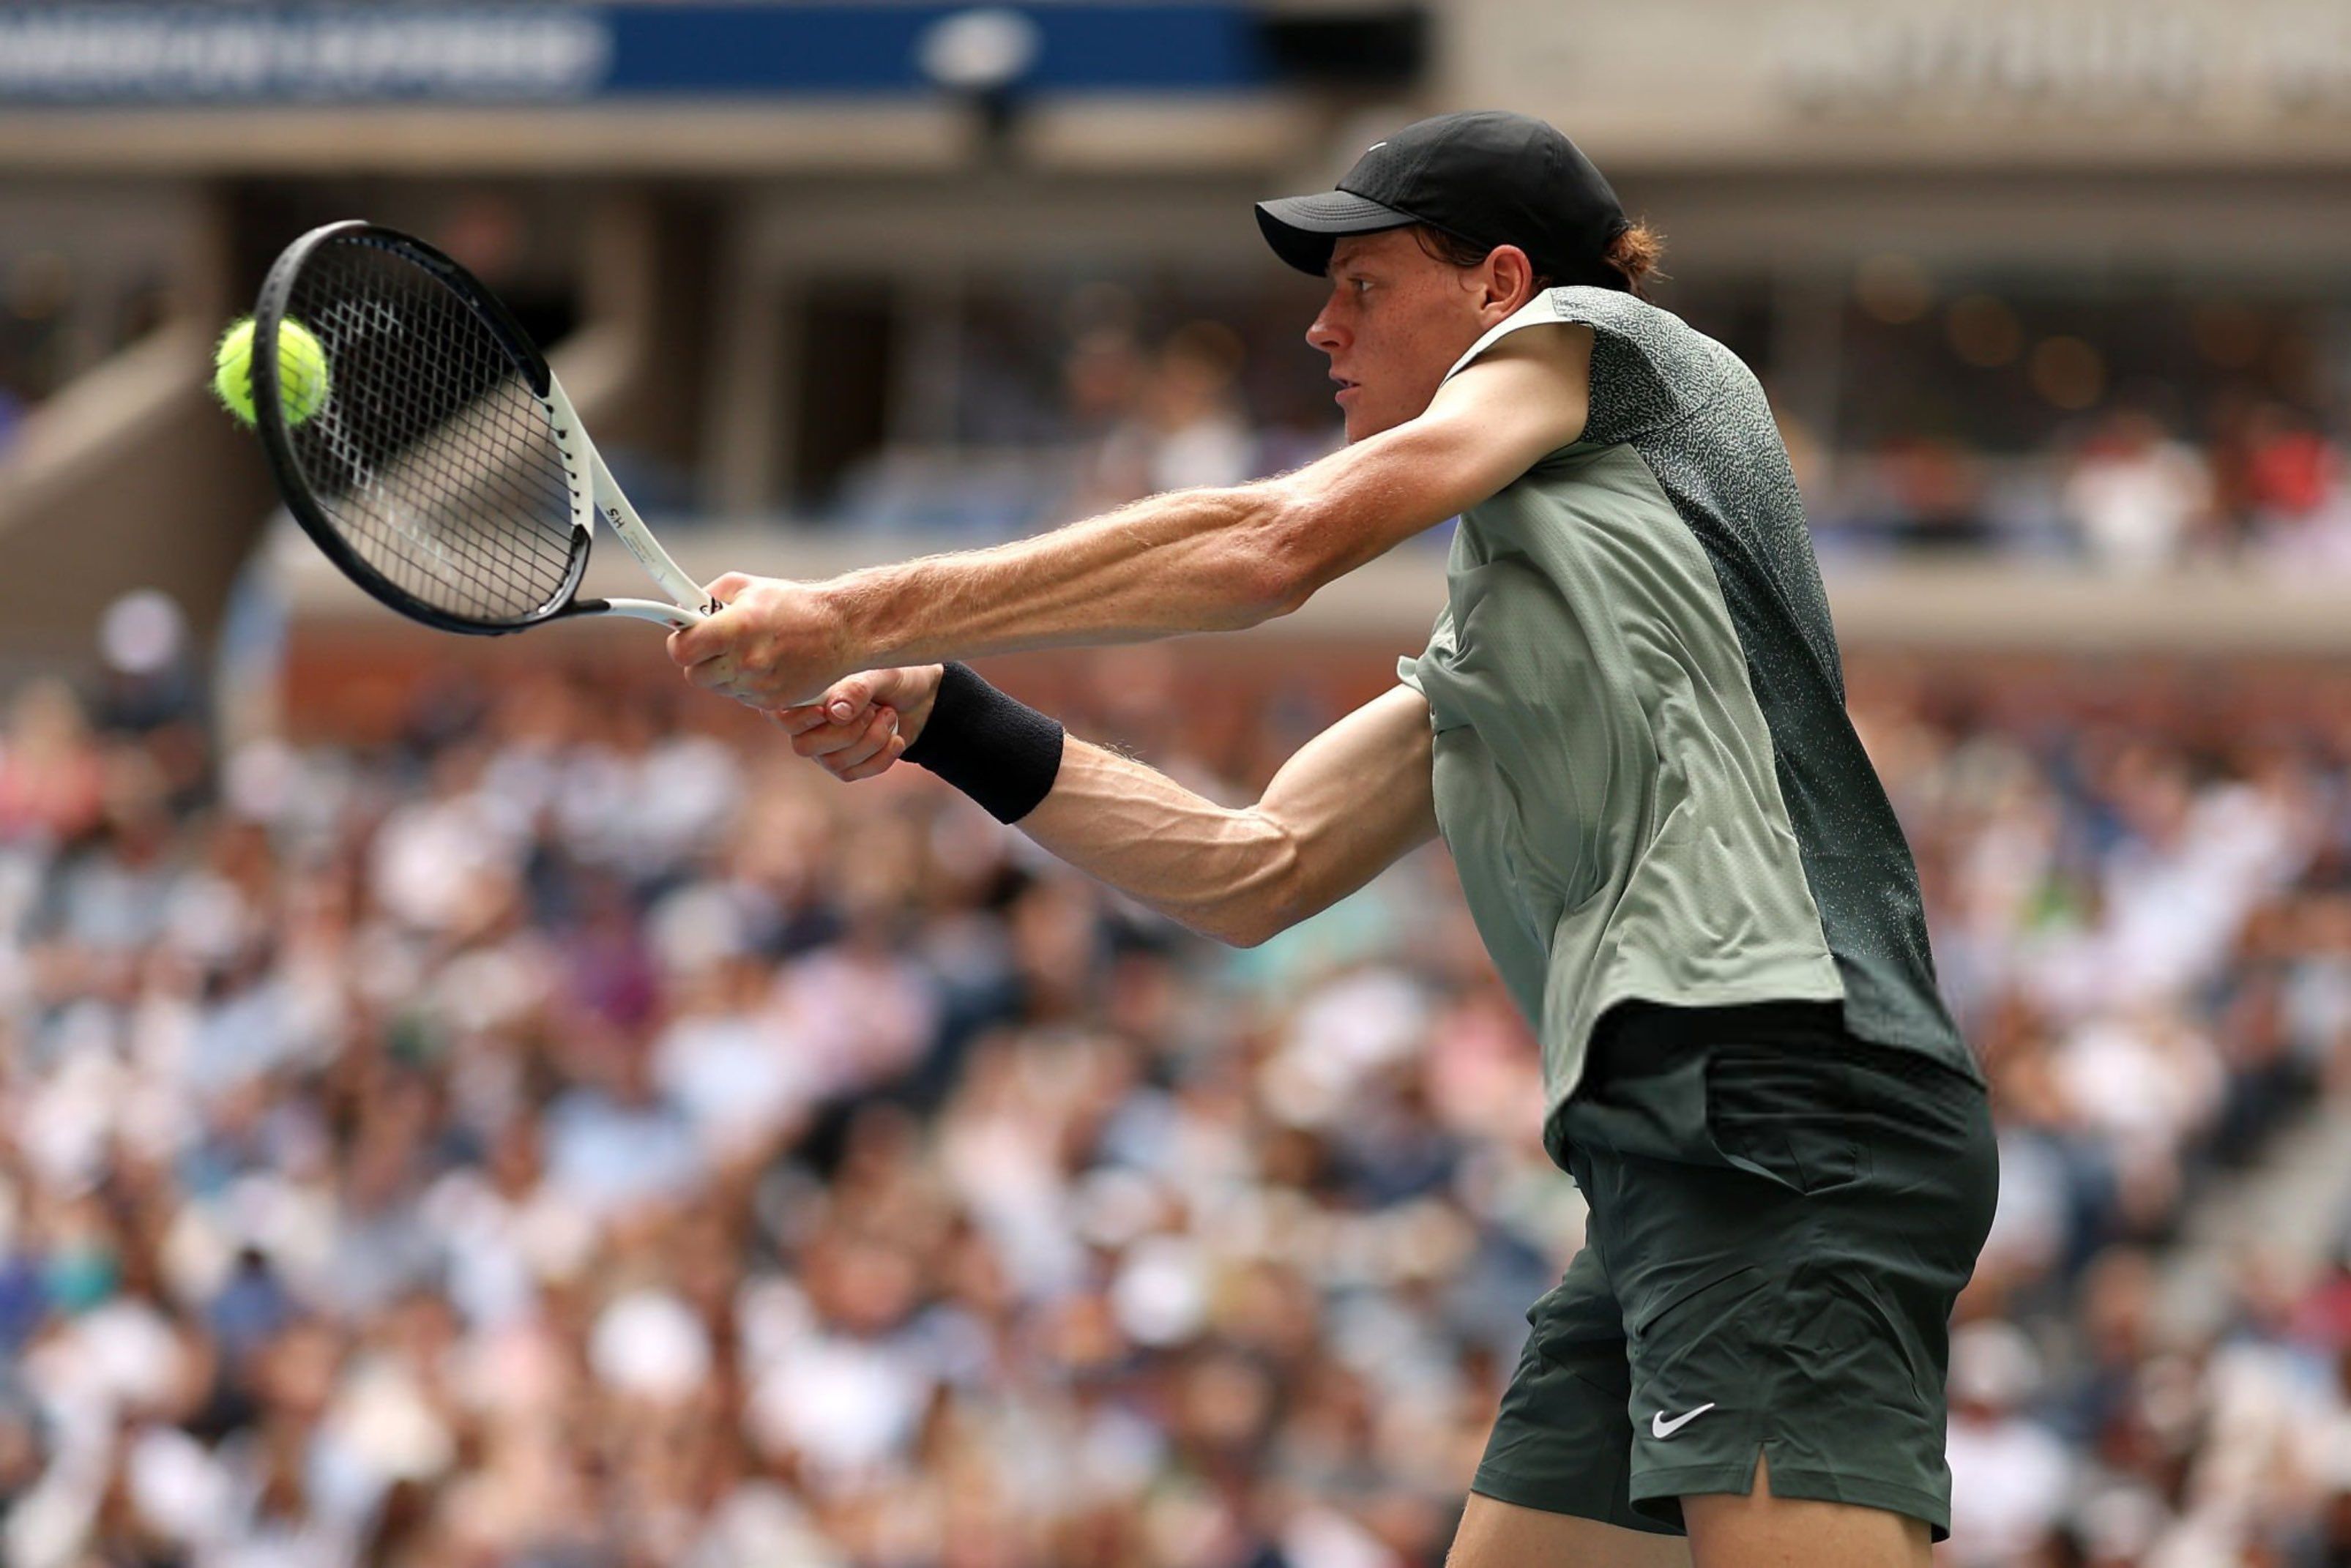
301	371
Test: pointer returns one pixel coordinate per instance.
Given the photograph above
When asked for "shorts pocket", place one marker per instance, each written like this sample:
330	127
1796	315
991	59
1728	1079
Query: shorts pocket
1788	1115
1699	1308
1856	1326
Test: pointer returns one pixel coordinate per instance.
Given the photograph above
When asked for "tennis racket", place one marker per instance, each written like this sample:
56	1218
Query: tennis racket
444	471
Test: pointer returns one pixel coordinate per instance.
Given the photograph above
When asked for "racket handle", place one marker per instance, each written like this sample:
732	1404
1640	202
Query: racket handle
673	615
616	512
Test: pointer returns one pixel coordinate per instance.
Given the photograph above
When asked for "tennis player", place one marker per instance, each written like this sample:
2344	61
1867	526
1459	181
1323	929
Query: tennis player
1629	725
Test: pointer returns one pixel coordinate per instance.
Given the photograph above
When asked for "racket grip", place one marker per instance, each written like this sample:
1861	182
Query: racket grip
675	616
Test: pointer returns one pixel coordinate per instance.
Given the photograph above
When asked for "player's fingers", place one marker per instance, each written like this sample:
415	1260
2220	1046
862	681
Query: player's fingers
799	720
848	698
716	633
864	768
867	742
870	738
700	643
819	744
849	742
881	762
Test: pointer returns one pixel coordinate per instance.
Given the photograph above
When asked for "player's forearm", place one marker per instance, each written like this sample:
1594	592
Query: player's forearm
1225	874
1351	800
1191	560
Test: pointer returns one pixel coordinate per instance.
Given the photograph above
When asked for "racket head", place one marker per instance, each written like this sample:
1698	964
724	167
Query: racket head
435	470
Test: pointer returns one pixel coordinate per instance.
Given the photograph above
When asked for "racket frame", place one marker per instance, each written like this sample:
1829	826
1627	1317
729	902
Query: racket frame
603	496
594	491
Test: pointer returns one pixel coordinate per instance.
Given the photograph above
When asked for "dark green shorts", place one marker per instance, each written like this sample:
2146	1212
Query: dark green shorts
1781	1216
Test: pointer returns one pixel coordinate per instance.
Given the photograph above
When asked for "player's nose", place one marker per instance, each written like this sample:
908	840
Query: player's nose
1325	336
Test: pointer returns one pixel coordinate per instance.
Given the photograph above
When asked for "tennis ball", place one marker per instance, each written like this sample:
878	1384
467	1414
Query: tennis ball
301	371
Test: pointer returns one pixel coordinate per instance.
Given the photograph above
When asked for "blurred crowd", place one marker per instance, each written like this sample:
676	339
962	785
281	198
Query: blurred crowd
570	1132
1126	412
2141	902
2126	493
2121	489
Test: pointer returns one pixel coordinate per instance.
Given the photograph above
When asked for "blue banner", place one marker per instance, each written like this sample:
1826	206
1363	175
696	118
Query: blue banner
134	54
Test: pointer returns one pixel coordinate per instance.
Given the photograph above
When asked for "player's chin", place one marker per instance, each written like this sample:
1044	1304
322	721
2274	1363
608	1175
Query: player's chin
1367	420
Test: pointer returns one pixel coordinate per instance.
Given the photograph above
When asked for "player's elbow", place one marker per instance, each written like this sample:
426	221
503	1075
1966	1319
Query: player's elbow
1283	554
1273	591
1230	932
1266	579
1268	901
1249	926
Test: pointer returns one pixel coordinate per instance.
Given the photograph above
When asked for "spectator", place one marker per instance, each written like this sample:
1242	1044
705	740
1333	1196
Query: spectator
1197	435
2010	1475
438	1157
2138	497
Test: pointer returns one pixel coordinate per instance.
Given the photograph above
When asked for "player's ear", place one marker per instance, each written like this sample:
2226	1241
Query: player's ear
1510	280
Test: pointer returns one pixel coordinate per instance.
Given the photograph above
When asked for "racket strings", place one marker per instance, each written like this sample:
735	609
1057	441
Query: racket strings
473	471
471	484
431	457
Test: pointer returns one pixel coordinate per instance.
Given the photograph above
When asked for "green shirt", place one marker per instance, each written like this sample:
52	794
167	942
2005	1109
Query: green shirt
1644	768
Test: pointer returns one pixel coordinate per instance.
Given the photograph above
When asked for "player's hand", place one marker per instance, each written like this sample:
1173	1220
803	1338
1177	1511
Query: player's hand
776	644
864	724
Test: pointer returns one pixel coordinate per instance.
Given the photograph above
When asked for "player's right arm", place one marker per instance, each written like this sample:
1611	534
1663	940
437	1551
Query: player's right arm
1350	801
1190	560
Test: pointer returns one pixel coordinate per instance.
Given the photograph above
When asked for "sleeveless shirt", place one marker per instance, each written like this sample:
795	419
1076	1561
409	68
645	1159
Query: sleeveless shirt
1644	768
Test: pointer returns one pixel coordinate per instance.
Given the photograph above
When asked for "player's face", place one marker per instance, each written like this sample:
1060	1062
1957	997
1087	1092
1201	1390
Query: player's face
1396	320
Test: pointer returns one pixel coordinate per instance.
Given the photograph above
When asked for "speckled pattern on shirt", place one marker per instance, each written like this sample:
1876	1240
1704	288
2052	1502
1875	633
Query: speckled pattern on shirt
1619	780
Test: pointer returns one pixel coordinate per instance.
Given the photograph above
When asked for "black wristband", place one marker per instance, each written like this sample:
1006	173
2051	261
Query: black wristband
1002	753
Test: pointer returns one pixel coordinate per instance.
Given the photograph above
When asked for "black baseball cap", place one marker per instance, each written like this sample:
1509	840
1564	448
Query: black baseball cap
1487	176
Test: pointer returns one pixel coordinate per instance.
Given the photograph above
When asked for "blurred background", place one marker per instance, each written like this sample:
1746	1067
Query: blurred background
469	1104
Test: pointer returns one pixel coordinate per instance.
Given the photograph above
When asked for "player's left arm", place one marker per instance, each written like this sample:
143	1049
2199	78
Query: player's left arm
1350	801
1190	560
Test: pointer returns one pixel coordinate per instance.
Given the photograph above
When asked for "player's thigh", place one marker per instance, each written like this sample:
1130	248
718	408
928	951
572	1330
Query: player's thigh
1498	1535
1760	1530
1562	1443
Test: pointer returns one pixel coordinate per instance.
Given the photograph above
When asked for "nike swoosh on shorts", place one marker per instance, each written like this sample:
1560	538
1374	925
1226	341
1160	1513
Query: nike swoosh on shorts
1661	1427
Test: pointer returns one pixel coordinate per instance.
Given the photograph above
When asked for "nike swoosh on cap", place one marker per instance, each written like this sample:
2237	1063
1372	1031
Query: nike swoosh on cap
1661	1427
